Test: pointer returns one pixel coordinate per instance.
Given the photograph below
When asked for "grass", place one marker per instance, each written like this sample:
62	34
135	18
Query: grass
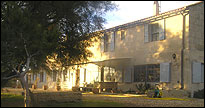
11	100
87	103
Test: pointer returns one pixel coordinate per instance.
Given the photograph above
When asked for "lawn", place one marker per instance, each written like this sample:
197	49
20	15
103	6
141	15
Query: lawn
10	100
86	103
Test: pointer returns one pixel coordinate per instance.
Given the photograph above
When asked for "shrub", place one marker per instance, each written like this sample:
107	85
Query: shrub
199	94
142	88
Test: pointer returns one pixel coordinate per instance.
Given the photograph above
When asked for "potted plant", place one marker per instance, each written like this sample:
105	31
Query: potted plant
45	87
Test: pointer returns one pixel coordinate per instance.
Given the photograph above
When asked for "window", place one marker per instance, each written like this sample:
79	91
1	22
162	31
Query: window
154	32
149	73
109	42
109	74
139	73
153	72
122	35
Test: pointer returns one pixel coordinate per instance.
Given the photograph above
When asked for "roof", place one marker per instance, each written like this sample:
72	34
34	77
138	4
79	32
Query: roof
152	18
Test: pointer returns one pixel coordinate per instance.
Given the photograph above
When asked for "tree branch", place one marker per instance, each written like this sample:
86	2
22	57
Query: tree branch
26	51
17	72
8	78
25	45
35	54
27	66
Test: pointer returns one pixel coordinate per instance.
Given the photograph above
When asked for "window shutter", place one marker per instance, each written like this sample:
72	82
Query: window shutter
34	77
165	72
127	73
102	44
146	33
112	45
196	72
202	73
162	29
44	77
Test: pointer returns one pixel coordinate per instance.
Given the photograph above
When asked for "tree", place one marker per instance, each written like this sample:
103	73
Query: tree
32	31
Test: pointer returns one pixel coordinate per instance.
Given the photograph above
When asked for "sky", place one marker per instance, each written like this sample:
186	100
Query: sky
129	11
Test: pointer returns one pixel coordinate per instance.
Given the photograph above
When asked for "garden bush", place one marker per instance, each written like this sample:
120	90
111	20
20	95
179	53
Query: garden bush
199	94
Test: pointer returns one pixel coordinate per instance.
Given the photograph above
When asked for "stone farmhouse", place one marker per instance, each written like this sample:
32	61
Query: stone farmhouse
166	49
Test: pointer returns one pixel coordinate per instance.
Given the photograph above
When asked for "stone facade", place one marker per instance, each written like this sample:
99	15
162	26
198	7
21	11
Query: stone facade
195	51
180	42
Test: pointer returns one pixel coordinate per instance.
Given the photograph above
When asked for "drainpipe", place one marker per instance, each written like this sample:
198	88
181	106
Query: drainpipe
182	50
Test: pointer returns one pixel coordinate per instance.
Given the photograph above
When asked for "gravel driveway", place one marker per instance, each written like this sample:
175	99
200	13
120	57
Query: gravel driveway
143	101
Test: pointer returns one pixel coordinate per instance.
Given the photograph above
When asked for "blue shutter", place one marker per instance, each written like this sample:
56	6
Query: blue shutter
112	45
34	78
146	33
165	72
162	29
44	77
127	73
102	44
196	72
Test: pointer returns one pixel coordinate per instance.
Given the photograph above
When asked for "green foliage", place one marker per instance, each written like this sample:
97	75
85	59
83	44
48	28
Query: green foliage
90	103
11	100
20	29
142	88
17	100
45	28
199	94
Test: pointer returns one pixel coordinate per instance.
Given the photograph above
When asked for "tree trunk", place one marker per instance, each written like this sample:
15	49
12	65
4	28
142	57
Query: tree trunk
27	100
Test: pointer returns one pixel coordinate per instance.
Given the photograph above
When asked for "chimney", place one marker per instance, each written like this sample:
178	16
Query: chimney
156	8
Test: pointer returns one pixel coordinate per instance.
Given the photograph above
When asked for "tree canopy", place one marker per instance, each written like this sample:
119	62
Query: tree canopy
37	29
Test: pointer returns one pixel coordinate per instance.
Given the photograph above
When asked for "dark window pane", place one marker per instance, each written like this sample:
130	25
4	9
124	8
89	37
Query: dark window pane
122	35
152	74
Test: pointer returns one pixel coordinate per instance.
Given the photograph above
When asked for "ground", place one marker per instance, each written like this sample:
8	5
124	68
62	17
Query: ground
143	101
111	100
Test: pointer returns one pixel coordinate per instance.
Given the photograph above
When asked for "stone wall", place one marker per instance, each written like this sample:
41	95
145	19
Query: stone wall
195	53
39	98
